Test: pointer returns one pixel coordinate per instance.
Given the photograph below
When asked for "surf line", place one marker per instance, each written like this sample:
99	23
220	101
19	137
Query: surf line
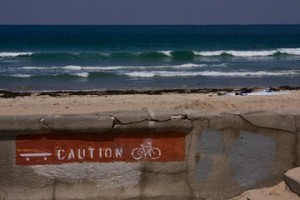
88	153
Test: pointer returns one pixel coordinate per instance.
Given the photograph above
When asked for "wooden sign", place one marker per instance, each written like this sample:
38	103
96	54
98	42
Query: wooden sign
106	147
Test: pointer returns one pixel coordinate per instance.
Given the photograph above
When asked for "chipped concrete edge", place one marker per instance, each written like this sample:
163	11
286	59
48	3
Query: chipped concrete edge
145	119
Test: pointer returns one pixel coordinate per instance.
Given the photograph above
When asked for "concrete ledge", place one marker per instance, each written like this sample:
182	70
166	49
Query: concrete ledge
38	124
181	154
292	178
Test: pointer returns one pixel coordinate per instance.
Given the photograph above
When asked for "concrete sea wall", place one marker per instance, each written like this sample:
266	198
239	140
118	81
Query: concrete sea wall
145	154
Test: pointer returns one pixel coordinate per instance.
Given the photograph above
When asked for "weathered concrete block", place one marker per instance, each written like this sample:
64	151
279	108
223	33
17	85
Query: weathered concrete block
13	175
3	193
38	124
27	193
216	151
251	158
298	122
77	123
211	171
271	120
292	178
86	190
224	121
237	158
164	168
109	175
154	186
196	114
9	125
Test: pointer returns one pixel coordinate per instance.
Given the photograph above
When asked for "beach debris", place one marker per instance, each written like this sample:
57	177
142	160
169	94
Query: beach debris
11	94
222	93
252	92
243	91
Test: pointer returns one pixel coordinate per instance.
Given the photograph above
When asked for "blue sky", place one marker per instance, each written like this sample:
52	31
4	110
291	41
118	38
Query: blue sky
149	11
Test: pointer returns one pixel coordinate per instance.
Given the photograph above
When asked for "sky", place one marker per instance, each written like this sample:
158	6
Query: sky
149	12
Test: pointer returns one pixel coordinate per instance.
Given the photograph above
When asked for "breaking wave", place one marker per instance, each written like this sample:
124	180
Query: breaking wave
211	74
281	51
151	55
111	68
153	74
15	54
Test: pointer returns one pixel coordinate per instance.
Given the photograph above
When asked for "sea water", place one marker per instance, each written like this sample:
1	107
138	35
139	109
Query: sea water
148	57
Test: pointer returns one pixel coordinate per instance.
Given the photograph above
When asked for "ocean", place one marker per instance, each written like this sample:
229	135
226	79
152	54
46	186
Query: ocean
39	58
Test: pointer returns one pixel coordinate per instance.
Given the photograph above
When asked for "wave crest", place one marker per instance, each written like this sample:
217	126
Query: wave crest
152	55
15	54
111	68
211	74
258	53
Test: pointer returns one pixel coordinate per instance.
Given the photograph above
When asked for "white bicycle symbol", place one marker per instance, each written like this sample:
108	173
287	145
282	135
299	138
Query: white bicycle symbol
145	151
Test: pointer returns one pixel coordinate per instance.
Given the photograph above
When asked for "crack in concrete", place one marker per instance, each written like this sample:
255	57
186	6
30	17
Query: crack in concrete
54	189
117	122
297	156
296	126
187	171
3	194
45	124
256	126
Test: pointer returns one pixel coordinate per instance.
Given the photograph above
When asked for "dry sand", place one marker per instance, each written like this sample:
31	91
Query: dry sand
210	102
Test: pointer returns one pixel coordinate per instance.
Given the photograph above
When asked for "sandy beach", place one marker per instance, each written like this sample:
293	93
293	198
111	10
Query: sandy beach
65	103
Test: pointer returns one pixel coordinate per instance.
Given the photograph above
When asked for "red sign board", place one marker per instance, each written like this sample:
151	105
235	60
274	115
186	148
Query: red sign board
106	147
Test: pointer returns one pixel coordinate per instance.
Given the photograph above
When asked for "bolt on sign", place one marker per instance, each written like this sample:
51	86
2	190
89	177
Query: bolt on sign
79	148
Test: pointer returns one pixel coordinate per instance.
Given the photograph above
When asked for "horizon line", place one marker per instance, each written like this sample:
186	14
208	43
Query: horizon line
199	24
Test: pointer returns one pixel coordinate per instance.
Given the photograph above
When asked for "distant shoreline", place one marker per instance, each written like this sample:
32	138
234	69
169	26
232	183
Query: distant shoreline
57	93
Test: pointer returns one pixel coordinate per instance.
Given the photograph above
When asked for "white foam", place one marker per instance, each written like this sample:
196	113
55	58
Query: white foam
72	67
33	68
95	68
188	65
167	53
220	65
250	74
182	66
251	53
208	53
141	74
162	74
291	51
15	54
236	53
83	74
21	75
210	73
68	67
260	53
110	68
